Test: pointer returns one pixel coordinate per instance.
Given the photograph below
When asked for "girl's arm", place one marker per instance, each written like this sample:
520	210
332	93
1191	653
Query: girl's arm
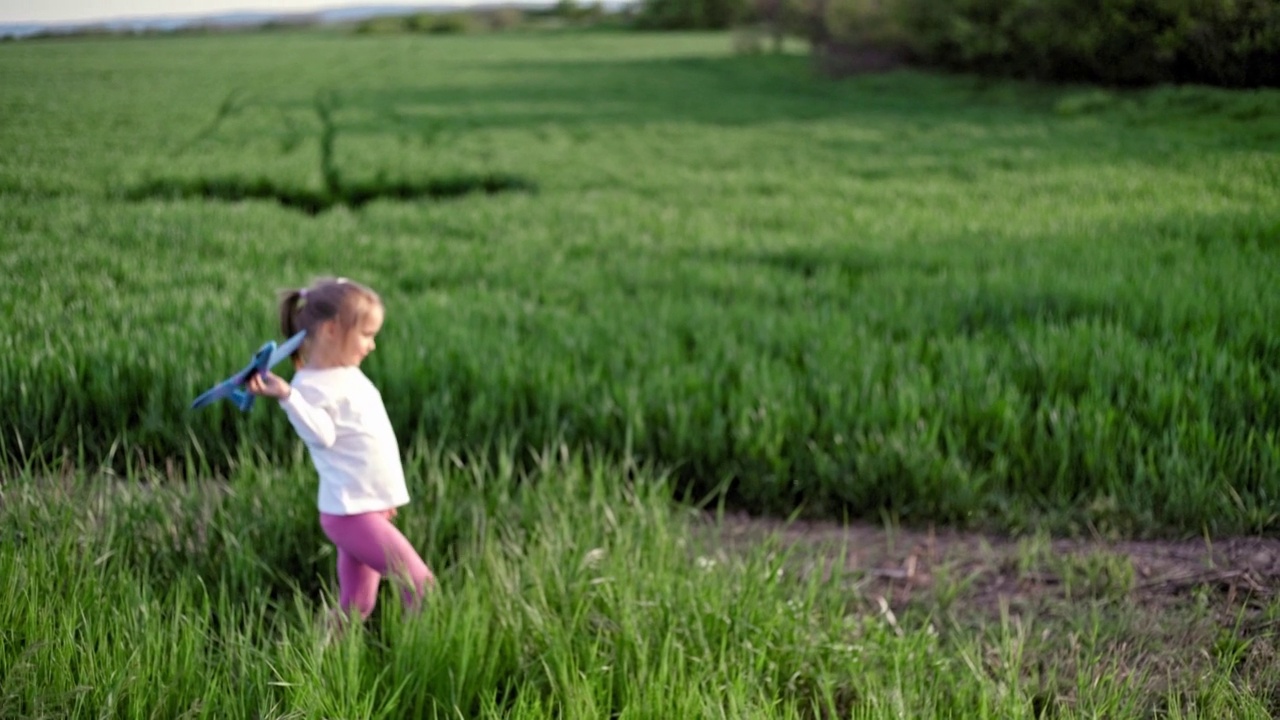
314	424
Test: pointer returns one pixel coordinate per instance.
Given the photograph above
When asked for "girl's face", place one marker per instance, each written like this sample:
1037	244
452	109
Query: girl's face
349	349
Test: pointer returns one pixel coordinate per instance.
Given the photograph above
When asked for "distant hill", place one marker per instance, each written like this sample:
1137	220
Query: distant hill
326	16
358	13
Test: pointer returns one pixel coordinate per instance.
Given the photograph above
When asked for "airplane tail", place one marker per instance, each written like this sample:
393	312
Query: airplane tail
242	398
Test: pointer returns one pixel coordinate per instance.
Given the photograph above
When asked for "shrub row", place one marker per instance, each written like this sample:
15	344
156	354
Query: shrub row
1231	43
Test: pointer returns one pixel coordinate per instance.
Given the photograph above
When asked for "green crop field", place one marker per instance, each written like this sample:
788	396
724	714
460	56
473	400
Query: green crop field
619	269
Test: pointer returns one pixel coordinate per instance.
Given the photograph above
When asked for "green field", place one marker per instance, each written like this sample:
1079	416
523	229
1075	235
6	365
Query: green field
941	298
618	268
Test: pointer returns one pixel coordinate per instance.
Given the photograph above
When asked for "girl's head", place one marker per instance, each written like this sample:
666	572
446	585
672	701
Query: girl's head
341	318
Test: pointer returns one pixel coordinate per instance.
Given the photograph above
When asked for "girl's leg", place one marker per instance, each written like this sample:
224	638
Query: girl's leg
357	584
370	540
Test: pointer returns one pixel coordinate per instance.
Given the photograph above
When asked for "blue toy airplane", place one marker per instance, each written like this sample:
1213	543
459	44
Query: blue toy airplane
267	357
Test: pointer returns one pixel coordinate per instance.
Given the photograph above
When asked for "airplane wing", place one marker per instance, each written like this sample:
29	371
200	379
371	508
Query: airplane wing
222	390
267	357
286	349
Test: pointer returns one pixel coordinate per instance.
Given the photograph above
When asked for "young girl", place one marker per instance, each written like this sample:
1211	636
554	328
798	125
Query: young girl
339	414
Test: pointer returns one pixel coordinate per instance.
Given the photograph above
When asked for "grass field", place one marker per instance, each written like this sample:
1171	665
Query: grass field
565	593
619	269
940	298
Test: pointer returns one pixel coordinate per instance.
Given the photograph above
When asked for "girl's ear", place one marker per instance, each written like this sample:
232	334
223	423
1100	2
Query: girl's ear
328	331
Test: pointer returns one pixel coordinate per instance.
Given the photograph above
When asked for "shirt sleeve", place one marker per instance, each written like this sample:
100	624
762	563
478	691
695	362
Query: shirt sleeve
312	421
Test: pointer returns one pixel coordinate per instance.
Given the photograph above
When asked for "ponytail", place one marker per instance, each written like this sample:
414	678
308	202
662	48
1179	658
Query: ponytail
290	303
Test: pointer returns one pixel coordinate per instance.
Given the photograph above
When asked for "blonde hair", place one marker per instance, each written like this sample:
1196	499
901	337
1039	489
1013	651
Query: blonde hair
323	300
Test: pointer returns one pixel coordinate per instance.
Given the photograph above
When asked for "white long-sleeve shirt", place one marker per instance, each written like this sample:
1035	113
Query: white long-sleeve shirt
339	414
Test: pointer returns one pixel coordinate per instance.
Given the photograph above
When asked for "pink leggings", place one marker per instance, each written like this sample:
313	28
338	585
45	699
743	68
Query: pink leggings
369	546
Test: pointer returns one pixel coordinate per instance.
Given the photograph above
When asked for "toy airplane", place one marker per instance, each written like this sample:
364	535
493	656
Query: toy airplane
267	357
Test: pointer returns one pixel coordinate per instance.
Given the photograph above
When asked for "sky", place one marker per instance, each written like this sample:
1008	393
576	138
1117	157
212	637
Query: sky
72	11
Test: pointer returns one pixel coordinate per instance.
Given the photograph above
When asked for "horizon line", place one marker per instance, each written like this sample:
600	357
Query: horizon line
213	14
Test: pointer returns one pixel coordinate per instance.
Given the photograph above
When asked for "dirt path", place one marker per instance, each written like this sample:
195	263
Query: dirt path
987	570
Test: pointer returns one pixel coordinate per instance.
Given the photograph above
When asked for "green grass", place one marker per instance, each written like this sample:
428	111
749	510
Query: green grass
621	269
564	592
943	299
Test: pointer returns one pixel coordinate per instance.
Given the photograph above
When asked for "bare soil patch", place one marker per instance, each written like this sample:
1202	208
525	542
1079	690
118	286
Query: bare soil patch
901	563
1167	612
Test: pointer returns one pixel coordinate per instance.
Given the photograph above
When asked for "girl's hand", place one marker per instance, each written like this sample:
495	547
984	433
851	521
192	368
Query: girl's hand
270	385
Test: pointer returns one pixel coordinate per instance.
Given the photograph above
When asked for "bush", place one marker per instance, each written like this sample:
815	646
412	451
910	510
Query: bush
862	22
771	21
1233	43
384	25
501	18
690	14
452	23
